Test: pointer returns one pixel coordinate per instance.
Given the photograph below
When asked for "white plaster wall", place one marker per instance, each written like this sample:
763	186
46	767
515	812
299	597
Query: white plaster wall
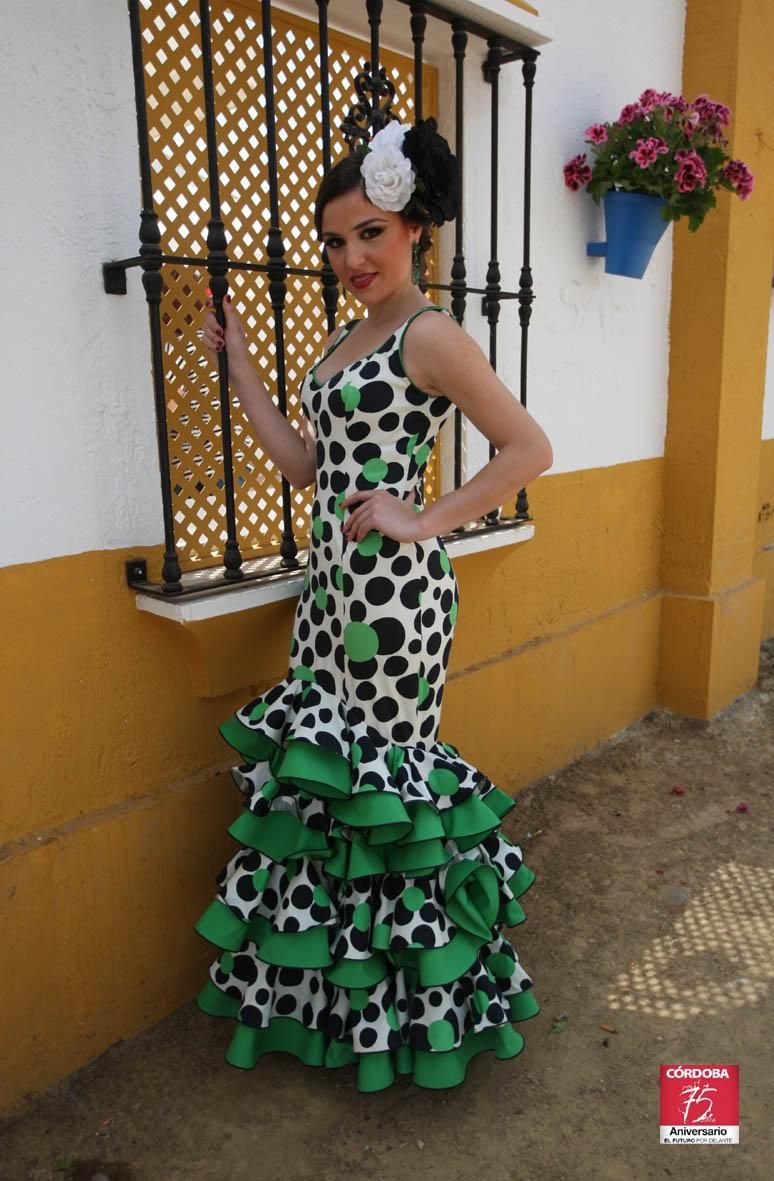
768	399
78	446
599	344
79	459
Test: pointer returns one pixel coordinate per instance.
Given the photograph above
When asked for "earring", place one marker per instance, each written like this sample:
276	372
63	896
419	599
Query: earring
415	276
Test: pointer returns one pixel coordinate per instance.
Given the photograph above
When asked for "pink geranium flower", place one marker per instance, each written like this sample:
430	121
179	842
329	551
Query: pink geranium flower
597	133
648	150
691	172
629	113
649	99
577	172
739	175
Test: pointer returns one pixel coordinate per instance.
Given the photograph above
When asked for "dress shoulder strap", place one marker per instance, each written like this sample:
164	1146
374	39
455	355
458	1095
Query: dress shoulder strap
431	307
341	333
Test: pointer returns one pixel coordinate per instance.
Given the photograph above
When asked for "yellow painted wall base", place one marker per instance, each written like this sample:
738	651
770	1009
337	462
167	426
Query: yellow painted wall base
709	648
763	562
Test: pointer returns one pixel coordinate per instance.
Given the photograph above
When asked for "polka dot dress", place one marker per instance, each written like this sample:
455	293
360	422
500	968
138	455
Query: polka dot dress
360	920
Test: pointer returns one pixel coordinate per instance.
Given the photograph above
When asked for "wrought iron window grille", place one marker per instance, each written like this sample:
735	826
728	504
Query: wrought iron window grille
371	109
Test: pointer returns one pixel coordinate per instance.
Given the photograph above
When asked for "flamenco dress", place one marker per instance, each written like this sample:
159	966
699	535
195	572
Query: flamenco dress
360	919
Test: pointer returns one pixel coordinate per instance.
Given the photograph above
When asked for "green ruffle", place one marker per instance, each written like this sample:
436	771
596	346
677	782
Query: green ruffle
471	896
433	1069
373	832
322	774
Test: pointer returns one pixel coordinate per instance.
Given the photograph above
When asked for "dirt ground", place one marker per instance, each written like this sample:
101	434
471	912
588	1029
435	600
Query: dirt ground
652	914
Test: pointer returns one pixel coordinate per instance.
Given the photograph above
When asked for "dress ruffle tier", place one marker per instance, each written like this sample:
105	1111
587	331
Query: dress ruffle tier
359	922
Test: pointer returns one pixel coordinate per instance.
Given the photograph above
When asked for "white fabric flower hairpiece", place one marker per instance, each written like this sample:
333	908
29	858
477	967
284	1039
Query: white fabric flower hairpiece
387	173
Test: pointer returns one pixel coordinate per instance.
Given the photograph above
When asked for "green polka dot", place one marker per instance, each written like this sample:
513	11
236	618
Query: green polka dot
358	998
480	1001
381	937
424	689
259	711
302	672
371	543
227	961
421	454
350	396
337	508
451	750
320	897
453	612
362	916
443	558
260	879
321	598
443	781
317	527
306	577
395	758
270	789
412	442
392	1018
356	754
374	469
500	964
417	508
412	898
338	577
440	1034
361	641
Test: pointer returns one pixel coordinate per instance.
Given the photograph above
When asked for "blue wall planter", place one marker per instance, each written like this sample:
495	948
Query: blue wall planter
634	227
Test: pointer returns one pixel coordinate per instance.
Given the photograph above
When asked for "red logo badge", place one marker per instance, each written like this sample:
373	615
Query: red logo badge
699	1103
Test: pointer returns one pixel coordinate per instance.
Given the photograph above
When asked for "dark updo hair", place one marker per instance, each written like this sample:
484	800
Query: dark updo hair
345	176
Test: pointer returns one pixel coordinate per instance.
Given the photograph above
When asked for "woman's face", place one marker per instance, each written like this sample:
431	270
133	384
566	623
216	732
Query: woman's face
369	248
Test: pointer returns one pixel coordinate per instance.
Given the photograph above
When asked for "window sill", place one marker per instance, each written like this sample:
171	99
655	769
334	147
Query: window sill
213	603
218	635
508	18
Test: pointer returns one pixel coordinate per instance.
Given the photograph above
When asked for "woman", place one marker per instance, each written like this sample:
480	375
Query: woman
359	920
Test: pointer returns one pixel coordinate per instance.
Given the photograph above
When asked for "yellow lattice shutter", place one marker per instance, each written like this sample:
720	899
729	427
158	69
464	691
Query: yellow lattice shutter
176	124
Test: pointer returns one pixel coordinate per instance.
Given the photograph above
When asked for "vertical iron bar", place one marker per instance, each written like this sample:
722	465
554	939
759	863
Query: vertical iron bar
492	296
374	9
458	273
330	287
526	293
277	270
217	266
418	26
150	253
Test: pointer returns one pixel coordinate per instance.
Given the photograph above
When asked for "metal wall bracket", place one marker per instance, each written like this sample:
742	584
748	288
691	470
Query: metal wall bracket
137	572
114	278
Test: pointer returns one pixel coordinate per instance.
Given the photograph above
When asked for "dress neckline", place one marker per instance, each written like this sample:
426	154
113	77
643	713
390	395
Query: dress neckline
315	384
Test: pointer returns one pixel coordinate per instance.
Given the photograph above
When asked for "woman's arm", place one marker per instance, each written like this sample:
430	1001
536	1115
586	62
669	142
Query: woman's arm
291	449
444	360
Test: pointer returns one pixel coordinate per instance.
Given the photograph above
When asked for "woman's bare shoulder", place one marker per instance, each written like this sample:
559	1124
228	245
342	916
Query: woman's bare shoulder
429	336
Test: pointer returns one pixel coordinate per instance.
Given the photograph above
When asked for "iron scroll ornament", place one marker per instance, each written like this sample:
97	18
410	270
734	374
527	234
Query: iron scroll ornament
369	114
